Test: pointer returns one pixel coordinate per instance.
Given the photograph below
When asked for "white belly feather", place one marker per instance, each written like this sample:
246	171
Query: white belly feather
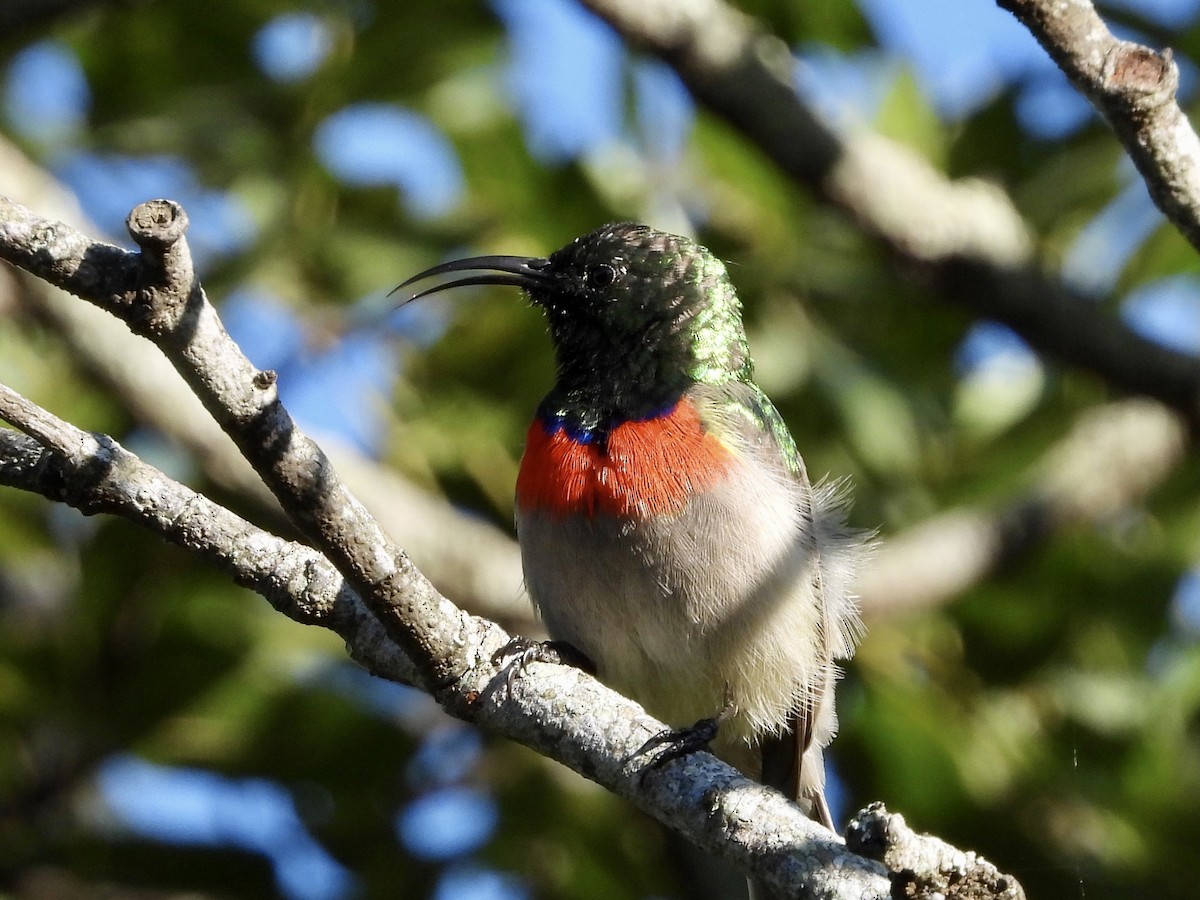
673	609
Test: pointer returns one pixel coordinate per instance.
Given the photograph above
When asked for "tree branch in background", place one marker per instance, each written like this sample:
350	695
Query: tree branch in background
1134	88
1111	459
1074	330
965	235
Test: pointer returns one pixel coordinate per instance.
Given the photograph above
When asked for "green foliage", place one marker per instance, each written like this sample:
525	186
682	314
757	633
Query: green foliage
1047	718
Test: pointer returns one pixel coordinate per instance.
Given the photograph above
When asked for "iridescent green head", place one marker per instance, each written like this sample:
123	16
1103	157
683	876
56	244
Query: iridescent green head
636	316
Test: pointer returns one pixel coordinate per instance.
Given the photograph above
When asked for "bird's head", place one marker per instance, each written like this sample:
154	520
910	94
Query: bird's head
636	315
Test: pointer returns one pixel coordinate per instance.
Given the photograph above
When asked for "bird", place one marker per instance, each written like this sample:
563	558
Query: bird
669	532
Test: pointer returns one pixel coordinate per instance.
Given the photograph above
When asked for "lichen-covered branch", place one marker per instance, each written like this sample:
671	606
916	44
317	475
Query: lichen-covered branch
465	556
964	237
156	294
1134	88
927	867
559	711
95	474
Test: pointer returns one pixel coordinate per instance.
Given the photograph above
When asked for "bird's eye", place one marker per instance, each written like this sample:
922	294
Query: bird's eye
601	276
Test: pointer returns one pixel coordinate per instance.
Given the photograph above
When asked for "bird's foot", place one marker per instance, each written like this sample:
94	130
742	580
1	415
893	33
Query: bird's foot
676	743
518	653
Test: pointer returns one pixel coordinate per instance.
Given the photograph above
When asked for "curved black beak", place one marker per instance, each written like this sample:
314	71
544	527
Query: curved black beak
528	272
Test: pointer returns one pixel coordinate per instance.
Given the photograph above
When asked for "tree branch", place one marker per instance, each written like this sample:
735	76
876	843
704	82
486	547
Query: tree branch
465	556
157	295
927	867
561	712
95	474
1110	460
965	236
1134	88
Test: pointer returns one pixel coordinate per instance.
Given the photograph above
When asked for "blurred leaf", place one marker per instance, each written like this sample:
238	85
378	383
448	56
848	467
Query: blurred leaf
1165	252
906	116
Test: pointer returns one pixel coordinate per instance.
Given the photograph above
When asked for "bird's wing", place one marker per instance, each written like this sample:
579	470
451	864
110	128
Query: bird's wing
783	755
742	410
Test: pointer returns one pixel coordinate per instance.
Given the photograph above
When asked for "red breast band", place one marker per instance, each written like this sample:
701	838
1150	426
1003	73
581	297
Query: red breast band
648	467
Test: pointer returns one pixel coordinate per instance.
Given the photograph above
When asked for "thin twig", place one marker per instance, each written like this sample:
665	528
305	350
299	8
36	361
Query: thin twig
1134	88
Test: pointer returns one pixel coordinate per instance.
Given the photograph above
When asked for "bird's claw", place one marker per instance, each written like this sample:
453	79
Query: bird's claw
676	743
520	652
